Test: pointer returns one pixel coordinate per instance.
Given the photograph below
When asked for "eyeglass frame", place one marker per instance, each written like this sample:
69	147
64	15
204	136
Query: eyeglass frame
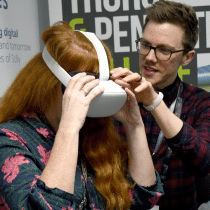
154	48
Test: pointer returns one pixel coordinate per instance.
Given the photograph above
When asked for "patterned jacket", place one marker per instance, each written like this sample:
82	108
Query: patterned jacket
25	146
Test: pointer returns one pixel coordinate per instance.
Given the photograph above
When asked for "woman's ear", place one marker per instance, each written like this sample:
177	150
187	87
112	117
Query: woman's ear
188	57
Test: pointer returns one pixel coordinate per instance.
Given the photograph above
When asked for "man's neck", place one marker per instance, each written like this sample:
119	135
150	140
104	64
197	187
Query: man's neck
169	87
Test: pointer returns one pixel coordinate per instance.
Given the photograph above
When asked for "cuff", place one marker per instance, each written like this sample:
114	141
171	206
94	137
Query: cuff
176	139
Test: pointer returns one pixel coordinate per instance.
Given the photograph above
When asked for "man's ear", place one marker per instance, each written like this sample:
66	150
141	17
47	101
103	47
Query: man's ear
188	57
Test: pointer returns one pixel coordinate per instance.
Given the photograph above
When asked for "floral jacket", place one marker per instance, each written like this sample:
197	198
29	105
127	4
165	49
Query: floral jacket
25	146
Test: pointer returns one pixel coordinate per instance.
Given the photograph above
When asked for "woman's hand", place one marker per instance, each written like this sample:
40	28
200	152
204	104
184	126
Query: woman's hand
77	99
140	162
129	114
60	169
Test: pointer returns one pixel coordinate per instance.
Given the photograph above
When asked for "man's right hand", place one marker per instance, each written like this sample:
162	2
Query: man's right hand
142	89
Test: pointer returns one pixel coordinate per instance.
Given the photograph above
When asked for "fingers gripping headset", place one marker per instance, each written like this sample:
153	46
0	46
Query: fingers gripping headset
107	103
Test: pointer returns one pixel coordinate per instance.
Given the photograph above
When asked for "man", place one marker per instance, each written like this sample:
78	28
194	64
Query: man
182	153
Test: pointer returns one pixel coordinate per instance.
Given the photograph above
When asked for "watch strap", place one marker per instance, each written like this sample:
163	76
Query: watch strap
155	103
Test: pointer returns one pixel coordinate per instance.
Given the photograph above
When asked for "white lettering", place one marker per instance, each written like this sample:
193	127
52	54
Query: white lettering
137	5
135	29
118	34
98	5
144	17
74	4
199	15
125	5
98	28
107	6
208	29
87	6
110	8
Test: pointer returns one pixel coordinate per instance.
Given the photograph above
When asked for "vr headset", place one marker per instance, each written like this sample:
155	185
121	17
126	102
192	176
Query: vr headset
107	103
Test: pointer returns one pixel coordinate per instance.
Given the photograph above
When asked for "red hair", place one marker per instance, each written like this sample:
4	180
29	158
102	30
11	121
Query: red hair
108	156
34	89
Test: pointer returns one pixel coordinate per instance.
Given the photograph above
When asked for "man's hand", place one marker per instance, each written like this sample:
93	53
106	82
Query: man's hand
142	89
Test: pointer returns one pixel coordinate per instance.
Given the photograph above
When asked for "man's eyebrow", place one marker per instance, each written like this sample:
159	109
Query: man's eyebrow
160	45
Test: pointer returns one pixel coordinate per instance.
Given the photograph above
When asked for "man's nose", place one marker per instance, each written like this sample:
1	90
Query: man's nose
152	56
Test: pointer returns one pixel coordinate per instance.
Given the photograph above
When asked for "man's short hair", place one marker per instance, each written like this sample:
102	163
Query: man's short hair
176	13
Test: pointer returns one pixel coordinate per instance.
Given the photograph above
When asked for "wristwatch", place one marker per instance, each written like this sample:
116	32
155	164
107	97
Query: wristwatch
155	103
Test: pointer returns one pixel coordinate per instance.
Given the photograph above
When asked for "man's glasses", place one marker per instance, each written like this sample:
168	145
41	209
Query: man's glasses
161	53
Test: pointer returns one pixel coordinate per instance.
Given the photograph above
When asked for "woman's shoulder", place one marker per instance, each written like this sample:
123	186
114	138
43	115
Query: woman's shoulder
25	128
14	125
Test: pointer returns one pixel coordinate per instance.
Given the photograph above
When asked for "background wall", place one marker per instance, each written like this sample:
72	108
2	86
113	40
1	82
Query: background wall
43	18
21	26
119	23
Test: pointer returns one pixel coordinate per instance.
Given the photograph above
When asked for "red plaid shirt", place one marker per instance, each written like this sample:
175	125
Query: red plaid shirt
190	152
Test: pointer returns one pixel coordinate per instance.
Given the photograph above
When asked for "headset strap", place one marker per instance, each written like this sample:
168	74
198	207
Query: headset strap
102	56
56	69
64	77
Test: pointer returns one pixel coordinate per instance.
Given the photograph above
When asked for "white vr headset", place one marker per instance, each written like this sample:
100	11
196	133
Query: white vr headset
113	97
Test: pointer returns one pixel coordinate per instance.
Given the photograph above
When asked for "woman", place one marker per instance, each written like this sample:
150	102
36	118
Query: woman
53	157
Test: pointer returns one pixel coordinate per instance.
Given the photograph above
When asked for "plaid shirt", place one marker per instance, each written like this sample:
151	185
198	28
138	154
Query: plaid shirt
190	154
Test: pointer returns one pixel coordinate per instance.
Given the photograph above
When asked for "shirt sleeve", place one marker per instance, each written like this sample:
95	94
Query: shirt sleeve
193	145
146	197
21	188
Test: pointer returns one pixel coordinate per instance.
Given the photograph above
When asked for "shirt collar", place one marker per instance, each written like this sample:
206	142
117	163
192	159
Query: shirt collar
40	127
